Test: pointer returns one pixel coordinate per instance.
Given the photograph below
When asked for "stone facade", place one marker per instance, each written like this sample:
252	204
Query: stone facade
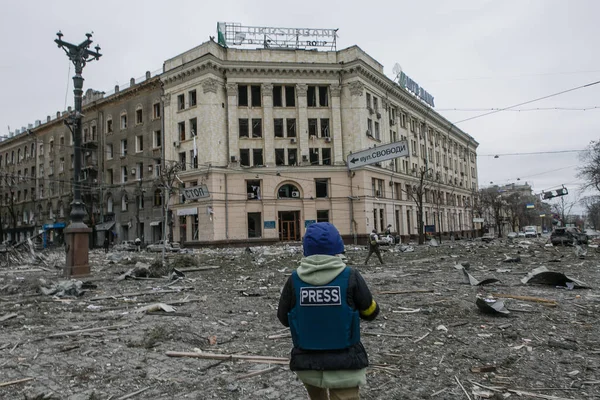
271	133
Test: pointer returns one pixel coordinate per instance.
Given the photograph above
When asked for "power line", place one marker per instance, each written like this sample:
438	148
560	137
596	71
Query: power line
530	153
522	109
528	102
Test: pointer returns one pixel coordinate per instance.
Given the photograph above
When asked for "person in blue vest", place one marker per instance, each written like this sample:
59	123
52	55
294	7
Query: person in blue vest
322	302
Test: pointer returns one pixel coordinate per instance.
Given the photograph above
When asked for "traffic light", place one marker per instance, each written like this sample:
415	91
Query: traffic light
555	193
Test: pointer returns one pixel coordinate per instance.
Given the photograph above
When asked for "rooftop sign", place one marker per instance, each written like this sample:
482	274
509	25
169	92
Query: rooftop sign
235	34
405	82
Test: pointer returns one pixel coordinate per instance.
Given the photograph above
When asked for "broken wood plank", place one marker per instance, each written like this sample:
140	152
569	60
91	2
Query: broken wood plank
16	382
130	395
256	373
386	334
550	302
115	296
197	269
407	291
462	387
280	336
8	316
232	357
422	337
77	332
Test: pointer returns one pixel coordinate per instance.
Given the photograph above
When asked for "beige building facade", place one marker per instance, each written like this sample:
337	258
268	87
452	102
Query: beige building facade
269	131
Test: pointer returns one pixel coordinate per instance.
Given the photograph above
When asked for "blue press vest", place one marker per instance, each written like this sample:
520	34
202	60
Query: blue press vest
321	318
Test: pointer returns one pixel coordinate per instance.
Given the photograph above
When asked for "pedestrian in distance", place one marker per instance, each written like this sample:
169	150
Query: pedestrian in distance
138	245
322	302
106	243
374	247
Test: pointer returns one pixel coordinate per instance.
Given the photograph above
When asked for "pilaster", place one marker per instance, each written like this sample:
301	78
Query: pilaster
268	129
301	90
233	124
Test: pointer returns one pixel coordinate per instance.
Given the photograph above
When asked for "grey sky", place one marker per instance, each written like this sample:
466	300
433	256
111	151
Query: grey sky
467	53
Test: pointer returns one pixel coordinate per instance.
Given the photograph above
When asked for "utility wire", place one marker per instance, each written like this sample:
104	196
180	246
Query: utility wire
68	81
530	153
523	109
527	102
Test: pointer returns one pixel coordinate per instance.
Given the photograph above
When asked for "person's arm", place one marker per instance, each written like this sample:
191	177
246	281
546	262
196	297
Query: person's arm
363	299
285	302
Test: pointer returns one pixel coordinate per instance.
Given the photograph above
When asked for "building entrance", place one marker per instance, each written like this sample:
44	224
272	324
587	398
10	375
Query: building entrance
289	225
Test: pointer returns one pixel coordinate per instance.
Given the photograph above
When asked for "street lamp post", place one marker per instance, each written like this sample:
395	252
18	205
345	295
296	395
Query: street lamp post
77	233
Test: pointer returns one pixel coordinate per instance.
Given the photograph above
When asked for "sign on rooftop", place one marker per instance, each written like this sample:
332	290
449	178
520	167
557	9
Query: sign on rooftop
405	82
377	154
236	34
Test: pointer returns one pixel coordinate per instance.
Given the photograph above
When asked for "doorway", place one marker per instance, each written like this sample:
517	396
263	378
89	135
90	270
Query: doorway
289	225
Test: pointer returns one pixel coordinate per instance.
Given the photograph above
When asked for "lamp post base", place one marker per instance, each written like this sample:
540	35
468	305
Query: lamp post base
77	239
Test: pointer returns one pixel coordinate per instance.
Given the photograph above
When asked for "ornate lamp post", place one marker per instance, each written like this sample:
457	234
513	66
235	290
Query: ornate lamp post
77	233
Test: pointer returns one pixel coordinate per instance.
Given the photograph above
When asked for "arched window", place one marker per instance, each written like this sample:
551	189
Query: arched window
109	204
288	191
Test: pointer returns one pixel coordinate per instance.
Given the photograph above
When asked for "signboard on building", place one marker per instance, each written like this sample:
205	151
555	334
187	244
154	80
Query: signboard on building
269	224
478	220
196	192
377	154
187	211
405	82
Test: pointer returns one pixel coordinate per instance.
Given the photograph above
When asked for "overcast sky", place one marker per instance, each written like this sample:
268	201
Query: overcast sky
469	54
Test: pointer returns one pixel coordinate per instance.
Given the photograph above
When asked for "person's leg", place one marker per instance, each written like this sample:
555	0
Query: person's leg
369	256
379	255
316	393
344	394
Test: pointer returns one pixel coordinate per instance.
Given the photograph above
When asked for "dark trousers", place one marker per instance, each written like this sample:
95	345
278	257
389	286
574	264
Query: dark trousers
374	249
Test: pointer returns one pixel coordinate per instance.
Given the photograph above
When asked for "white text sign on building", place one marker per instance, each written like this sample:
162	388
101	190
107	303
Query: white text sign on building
413	87
378	154
196	192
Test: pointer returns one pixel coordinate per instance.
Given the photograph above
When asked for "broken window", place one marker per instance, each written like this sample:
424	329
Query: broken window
312	127
288	191
290	96
323	96
253	189
257	157
279	156
256	127
193	127
278	127
192	98
277	96
181	130
311	96
256	98
322	215
182	161
244	132
314	156
292	156
180	102
324	127
245	157
254	225
242	96
326	153
321	187
291	127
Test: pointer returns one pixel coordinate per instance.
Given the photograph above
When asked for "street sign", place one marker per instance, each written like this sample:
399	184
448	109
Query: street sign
378	154
478	220
196	192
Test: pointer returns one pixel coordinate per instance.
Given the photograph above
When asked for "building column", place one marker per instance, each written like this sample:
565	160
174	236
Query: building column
336	125
301	90
357	118
232	107
268	129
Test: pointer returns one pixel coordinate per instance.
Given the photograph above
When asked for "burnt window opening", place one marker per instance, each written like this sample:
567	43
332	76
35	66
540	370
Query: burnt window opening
244	129
321	187
279	156
326	153
290	96
324	127
312	127
277	96
291	127
256	127
256	97
245	157
242	96
314	156
257	157
253	189
278	127
292	156
322	215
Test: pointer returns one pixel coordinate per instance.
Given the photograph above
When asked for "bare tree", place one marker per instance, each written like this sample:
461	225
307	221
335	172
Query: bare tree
492	201
592	208
563	208
590	170
166	181
417	194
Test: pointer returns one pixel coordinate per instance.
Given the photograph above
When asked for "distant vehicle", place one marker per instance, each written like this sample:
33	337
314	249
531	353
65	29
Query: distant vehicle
563	236
125	245
157	247
530	231
521	234
512	235
487	237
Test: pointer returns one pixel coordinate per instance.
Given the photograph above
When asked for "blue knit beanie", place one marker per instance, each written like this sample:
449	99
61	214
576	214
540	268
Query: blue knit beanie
322	238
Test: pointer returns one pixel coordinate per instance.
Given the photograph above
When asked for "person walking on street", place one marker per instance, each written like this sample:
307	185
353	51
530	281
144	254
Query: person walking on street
106	243
374	247
322	302
138	245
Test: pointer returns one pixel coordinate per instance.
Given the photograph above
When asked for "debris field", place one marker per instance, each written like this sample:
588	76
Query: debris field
459	320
